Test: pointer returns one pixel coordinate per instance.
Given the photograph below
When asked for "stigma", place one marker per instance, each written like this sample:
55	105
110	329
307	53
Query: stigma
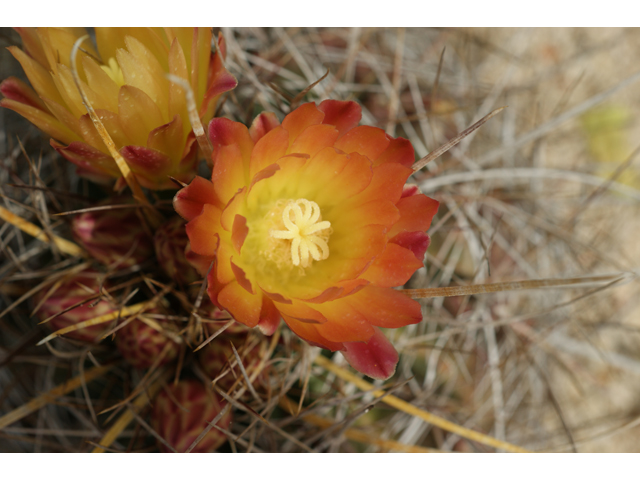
306	230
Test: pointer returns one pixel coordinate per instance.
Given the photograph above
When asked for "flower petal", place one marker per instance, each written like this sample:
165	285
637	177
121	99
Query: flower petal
92	163
399	151
15	89
365	140
203	229
239	232
223	131
300	119
138	114
269	317
314	139
376	358
242	305
393	267
268	150
385	307
309	333
344	324
263	124
168	139
343	115
416	213
417	242
190	201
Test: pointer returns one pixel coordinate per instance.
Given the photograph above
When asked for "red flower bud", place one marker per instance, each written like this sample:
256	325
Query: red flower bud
141	344
75	289
181	426
170	243
113	236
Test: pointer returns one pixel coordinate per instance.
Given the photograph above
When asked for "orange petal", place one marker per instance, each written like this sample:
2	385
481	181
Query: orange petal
385	307
228	172
111	122
302	312
365	140
343	115
263	124
223	131
399	151
416	213
31	44
177	98
269	317
224	272
241	277
314	139
300	119
148	164
393	267
377	212
99	82
239	232
233	208
363	242
242	305
190	201
268	150
92	163
386	183
376	358
344	324
310	334
204	229
417	242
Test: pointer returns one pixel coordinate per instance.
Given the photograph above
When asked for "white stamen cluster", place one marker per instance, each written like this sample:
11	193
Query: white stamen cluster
306	230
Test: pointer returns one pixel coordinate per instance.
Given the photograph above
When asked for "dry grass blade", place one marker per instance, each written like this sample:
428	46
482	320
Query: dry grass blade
415	411
454	141
108	317
47	397
355	434
65	246
128	415
509	286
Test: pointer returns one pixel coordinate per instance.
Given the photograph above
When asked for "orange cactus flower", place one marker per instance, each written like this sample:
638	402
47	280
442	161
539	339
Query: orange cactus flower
125	81
310	221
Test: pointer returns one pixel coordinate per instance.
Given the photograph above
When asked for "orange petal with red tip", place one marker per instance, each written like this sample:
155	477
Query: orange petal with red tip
242	305
376	358
345	323
202	231
393	267
228	172
417	242
269	317
268	150
310	334
399	151
416	213
241	277
263	124
223	131
189	201
15	89
385	307
300	119
314	139
239	232
343	115
365	140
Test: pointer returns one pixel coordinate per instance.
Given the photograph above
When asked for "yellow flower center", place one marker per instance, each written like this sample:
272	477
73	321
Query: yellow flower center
306	231
114	71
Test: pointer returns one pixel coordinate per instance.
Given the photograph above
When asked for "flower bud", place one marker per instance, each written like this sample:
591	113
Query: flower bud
181	425
218	357
170	242
141	344
75	289
113	236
